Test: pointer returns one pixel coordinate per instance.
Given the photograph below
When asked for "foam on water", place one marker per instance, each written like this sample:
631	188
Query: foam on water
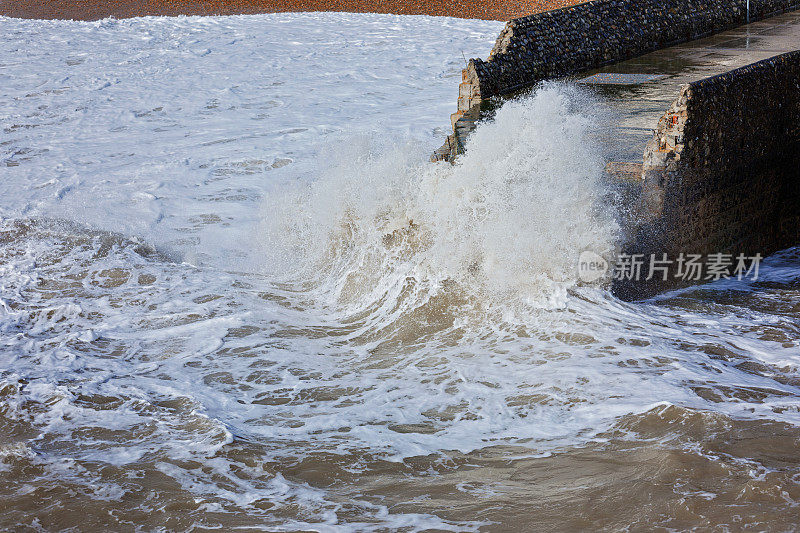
250	339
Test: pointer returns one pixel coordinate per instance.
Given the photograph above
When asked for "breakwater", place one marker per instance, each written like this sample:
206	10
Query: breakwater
721	174
574	39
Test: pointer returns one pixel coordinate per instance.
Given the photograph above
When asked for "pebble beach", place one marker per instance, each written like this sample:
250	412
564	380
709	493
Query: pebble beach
94	10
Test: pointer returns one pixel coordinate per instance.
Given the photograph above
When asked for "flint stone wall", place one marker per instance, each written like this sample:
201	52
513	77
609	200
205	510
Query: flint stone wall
722	172
585	36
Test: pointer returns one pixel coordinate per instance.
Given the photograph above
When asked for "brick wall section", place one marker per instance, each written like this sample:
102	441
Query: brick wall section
722	172
585	36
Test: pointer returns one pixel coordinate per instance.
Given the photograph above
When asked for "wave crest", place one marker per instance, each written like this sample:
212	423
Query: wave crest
505	224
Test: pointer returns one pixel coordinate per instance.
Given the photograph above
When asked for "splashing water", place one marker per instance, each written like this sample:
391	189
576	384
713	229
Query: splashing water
505	224
394	345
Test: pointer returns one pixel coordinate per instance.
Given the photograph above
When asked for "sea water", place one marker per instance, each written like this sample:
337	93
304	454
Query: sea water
235	294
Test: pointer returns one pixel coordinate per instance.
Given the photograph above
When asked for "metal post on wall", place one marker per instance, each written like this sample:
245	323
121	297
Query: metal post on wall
748	11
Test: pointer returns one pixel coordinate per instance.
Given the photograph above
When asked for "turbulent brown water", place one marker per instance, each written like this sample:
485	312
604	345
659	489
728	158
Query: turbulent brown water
114	415
336	336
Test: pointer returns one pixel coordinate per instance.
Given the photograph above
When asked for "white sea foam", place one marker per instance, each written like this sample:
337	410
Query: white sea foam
389	308
507	223
178	125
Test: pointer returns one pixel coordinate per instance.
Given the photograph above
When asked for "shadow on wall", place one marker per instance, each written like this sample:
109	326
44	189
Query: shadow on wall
722	172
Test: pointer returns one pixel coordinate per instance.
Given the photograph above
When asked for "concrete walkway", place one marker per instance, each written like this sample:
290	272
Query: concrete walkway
637	108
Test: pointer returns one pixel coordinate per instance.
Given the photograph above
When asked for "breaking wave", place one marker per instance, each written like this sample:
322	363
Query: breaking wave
503	225
405	349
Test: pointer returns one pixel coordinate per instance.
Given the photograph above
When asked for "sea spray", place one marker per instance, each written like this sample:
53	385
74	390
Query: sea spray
506	223
139	392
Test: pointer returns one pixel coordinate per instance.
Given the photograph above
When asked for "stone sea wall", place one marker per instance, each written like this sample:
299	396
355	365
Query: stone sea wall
585	36
722	172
